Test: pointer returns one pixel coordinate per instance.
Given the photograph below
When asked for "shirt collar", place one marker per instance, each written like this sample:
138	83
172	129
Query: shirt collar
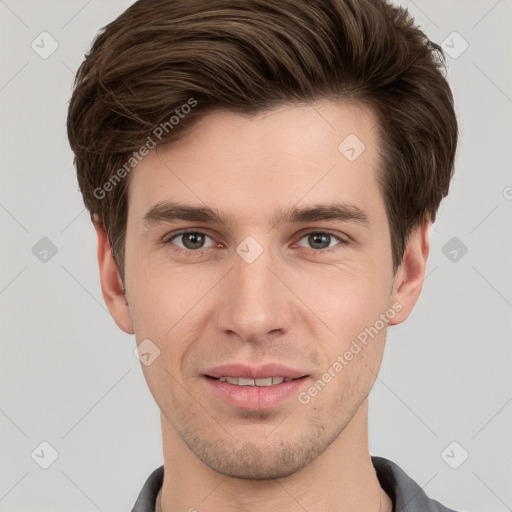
405	493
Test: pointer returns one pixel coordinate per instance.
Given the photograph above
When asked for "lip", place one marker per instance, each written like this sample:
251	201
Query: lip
255	372
255	398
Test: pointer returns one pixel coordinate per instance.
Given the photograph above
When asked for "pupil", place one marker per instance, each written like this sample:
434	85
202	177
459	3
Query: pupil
195	240
320	238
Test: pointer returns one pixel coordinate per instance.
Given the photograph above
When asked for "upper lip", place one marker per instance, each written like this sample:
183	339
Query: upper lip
247	371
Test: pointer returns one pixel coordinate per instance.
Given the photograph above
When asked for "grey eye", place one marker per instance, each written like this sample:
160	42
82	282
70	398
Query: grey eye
191	240
319	240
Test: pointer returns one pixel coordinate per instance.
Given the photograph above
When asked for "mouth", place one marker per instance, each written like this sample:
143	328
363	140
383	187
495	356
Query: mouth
254	388
264	382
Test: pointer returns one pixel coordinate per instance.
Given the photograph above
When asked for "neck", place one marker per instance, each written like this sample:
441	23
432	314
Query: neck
341	478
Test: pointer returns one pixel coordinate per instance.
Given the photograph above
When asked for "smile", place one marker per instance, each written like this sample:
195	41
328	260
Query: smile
240	381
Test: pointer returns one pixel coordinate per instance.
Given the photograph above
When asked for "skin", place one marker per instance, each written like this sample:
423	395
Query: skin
298	304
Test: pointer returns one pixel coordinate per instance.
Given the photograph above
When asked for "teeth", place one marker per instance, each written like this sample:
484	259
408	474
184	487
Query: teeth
268	381
263	382
244	382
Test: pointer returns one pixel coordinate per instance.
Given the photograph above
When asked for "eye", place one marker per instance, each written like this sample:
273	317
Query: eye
190	240
322	240
194	241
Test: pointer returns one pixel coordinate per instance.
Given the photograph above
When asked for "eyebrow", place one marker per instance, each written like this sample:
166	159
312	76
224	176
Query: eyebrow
167	211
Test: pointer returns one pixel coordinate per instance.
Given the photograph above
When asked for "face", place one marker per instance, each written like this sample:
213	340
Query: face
276	265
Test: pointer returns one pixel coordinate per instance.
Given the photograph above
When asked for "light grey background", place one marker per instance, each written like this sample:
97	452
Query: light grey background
69	377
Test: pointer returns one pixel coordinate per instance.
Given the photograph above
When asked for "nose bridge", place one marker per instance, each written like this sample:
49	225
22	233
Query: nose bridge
254	301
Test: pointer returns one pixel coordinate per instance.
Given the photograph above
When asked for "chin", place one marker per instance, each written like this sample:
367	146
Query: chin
265	469
256	461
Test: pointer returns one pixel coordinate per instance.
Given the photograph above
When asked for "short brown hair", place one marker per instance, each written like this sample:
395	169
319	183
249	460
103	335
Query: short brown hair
249	56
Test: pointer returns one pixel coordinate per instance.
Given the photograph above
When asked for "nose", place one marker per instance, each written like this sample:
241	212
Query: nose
255	300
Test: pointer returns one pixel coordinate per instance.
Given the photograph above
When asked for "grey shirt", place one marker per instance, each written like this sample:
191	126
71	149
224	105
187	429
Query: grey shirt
405	493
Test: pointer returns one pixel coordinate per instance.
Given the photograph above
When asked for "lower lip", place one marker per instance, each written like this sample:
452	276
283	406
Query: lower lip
255	398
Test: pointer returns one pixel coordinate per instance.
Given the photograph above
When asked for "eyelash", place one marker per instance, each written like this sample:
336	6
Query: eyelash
191	252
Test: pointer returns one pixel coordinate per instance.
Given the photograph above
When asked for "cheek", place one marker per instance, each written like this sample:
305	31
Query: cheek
349	300
167	304
153	290
171	302
353	306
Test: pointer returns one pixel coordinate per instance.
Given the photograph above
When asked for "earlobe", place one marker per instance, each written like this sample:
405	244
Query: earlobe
409	277
111	283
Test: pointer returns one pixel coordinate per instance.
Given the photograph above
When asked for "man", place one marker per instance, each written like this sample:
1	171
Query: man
262	176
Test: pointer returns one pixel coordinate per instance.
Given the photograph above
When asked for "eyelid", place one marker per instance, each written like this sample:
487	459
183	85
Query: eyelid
169	239
341	238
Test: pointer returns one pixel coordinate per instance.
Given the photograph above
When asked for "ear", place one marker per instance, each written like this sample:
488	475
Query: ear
111	284
409	277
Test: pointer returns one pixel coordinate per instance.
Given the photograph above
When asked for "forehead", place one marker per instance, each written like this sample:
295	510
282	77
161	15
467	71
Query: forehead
249	164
